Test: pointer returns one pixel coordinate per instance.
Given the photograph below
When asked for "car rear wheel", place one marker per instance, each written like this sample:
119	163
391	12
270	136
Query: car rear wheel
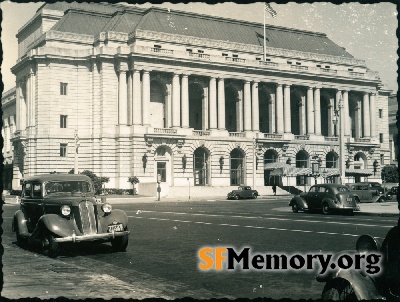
381	199
119	244
295	207
338	290
325	208
49	246
237	196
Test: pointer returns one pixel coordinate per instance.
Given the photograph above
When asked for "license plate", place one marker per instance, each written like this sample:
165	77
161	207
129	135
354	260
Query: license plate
349	199
115	228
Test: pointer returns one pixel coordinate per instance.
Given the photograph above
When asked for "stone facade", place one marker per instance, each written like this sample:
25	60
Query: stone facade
195	109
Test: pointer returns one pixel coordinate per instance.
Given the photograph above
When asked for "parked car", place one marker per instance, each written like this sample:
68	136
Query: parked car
325	197
60	208
392	193
368	191
243	192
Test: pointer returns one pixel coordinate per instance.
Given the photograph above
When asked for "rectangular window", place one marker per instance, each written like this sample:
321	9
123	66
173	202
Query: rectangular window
189	50
289	62
258	59
162	171
63	121
351	69
382	160
63	150
63	88
224	54
157	46
37	190
27	190
327	67
200	51
267	60
381	138
318	65
298	63
380	113
235	56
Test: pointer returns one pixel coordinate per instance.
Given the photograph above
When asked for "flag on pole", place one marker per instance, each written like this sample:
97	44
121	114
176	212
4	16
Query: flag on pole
269	9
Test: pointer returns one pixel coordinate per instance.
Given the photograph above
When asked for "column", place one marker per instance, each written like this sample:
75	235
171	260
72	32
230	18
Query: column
185	101
271	114
122	97
347	124
317	110
129	97
372	114
302	111
146	97
331	108
279	109
136	99
7	136
247	106
204	122
366	116
357	113
213	103
28	100
176	116
288	121
255	118
20	105
310	111
340	108
221	104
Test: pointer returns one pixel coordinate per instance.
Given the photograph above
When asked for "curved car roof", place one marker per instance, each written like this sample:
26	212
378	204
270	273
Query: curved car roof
57	177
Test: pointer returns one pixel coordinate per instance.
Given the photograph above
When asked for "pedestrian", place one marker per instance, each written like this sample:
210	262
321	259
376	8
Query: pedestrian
274	188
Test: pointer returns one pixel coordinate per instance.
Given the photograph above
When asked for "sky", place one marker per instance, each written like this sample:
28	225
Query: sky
367	31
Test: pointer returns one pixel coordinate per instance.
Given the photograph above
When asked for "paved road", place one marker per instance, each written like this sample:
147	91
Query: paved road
161	259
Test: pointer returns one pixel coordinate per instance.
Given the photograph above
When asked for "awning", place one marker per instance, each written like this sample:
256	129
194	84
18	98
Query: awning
358	172
283	169
329	172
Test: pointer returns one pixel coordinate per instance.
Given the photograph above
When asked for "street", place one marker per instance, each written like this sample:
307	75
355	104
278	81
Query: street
161	259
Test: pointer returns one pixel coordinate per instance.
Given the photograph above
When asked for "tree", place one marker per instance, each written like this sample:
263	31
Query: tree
390	174
97	181
133	180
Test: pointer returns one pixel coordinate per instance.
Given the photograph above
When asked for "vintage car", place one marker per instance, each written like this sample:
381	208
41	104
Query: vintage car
61	208
368	191
243	192
326	197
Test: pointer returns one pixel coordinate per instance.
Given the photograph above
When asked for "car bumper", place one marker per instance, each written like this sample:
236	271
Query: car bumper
91	237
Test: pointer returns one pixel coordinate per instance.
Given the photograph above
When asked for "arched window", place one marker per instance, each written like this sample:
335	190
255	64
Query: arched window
331	160
237	167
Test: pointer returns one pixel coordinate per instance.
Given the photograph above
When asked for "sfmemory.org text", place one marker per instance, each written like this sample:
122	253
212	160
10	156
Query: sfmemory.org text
227	258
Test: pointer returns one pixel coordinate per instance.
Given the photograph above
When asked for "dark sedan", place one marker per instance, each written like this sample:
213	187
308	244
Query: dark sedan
243	192
327	198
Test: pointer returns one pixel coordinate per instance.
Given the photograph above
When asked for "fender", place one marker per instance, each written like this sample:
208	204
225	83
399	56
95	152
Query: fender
364	287
56	224
331	203
19	222
300	202
115	215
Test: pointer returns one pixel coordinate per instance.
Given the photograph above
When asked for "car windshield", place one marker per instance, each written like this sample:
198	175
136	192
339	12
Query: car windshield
343	189
70	187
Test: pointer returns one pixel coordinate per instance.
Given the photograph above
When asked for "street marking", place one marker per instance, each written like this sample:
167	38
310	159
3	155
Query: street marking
259	227
276	218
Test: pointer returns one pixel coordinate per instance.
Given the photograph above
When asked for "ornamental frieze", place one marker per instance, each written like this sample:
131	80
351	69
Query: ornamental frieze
69	37
243	47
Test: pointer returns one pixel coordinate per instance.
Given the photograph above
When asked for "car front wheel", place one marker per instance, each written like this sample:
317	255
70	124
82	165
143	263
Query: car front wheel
49	246
325	208
119	244
237	196
295	207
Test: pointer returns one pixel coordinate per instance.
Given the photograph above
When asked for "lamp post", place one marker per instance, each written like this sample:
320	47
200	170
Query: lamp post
76	147
338	119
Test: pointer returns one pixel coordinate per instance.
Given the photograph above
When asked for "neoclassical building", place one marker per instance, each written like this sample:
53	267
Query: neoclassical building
187	98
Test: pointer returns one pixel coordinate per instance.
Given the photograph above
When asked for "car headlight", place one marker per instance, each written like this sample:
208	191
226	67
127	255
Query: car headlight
65	210
106	208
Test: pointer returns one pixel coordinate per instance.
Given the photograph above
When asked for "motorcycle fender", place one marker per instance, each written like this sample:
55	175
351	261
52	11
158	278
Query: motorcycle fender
20	222
364	287
118	216
300	202
56	224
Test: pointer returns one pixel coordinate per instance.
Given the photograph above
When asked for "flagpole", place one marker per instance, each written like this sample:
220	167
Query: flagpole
265	43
